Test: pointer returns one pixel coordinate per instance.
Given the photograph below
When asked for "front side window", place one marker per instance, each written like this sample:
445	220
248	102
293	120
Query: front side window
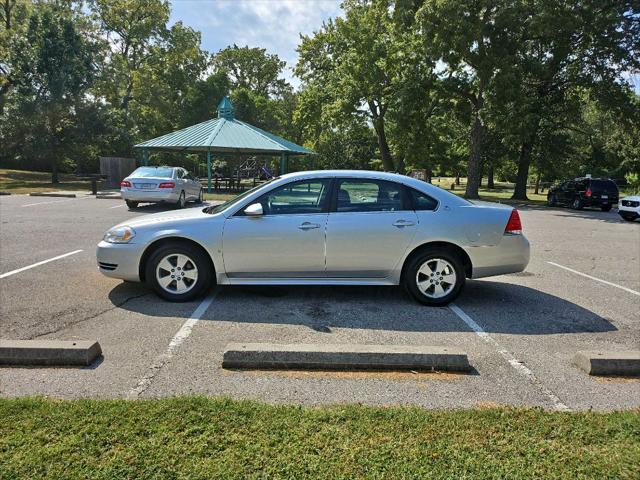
364	195
304	197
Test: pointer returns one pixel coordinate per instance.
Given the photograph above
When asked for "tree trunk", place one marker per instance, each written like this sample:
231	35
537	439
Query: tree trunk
383	145
490	182
475	158
537	190
457	178
54	170
524	159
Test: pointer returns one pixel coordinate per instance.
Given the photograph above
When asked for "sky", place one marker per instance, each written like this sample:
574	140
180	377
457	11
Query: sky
272	24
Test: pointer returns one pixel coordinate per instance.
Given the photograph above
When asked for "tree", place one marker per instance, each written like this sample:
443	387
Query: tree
57	71
354	65
475	43
565	47
252	69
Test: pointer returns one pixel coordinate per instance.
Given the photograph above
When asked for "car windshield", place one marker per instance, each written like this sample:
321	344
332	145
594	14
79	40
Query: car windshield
143	172
223	206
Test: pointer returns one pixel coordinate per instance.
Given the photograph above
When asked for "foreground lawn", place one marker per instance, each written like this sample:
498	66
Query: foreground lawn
22	181
215	438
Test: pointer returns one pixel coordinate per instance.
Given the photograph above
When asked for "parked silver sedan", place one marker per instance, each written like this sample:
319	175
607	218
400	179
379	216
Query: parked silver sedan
173	185
322	228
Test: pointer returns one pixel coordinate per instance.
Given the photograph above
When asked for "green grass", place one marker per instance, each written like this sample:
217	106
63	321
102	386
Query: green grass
501	193
194	437
22	181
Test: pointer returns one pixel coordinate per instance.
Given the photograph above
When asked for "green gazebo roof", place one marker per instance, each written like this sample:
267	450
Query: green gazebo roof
225	134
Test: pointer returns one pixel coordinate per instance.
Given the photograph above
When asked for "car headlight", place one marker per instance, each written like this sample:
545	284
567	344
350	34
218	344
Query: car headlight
119	235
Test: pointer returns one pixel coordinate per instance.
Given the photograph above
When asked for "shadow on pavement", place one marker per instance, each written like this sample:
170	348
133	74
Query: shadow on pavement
497	307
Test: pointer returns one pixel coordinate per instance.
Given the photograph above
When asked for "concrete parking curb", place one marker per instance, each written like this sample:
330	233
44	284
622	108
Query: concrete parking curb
52	194
48	352
343	357
109	197
5	193
624	363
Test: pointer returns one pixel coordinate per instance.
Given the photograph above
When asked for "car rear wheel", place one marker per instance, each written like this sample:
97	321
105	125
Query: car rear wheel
576	204
131	204
182	201
435	276
178	272
551	201
605	208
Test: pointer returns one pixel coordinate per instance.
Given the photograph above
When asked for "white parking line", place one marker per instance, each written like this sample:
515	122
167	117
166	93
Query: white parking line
519	367
53	201
13	272
594	278
180	336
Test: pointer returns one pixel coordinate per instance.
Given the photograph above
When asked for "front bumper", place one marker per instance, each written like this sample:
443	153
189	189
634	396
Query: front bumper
134	195
511	255
119	260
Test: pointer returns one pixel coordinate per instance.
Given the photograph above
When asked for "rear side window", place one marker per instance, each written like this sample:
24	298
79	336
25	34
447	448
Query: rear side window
422	201
364	195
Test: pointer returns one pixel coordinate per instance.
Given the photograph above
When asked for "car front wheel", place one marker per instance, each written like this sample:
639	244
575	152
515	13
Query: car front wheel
551	201
200	197
577	204
435	277
182	201
629	217
178	272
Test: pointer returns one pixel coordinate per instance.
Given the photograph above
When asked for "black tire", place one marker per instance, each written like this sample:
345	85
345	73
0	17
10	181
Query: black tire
200	197
629	218
182	201
576	204
131	204
551	200
199	258
410	280
605	208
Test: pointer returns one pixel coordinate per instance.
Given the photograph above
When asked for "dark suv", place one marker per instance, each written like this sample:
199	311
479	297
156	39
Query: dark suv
584	192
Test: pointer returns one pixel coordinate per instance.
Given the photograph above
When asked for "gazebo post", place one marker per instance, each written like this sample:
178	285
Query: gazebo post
282	167
208	170
145	157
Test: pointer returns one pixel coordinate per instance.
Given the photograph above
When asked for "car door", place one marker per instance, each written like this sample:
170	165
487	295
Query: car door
287	240
369	228
191	185
567	192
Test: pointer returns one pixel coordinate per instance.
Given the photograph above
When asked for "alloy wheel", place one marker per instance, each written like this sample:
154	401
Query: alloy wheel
176	273
436	278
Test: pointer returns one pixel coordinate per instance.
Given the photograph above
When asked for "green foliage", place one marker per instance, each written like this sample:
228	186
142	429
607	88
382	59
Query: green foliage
633	179
189	437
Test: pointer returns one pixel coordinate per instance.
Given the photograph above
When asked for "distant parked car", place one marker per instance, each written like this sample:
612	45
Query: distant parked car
629	208
332	227
160	184
579	193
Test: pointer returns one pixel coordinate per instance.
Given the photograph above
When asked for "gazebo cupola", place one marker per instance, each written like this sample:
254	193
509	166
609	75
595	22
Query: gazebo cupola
226	109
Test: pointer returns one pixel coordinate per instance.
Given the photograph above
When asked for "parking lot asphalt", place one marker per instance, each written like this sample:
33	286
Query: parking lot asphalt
581	291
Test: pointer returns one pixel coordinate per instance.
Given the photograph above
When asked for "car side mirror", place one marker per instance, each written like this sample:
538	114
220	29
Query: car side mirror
253	210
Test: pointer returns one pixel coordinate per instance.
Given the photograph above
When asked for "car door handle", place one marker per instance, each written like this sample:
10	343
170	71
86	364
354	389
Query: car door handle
309	226
403	223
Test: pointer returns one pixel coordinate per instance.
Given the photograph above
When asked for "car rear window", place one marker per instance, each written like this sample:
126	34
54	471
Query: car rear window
603	185
143	172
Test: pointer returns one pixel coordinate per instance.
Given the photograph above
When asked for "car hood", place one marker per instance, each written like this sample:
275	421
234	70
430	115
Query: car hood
157	219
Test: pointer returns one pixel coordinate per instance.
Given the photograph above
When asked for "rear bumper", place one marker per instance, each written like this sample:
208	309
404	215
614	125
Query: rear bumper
119	260
511	255
134	195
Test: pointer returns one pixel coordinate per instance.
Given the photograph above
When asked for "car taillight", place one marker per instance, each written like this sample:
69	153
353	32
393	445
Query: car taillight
588	192
514	226
125	184
167	185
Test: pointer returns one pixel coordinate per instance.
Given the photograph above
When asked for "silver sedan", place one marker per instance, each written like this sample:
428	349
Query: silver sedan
322	228
172	185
